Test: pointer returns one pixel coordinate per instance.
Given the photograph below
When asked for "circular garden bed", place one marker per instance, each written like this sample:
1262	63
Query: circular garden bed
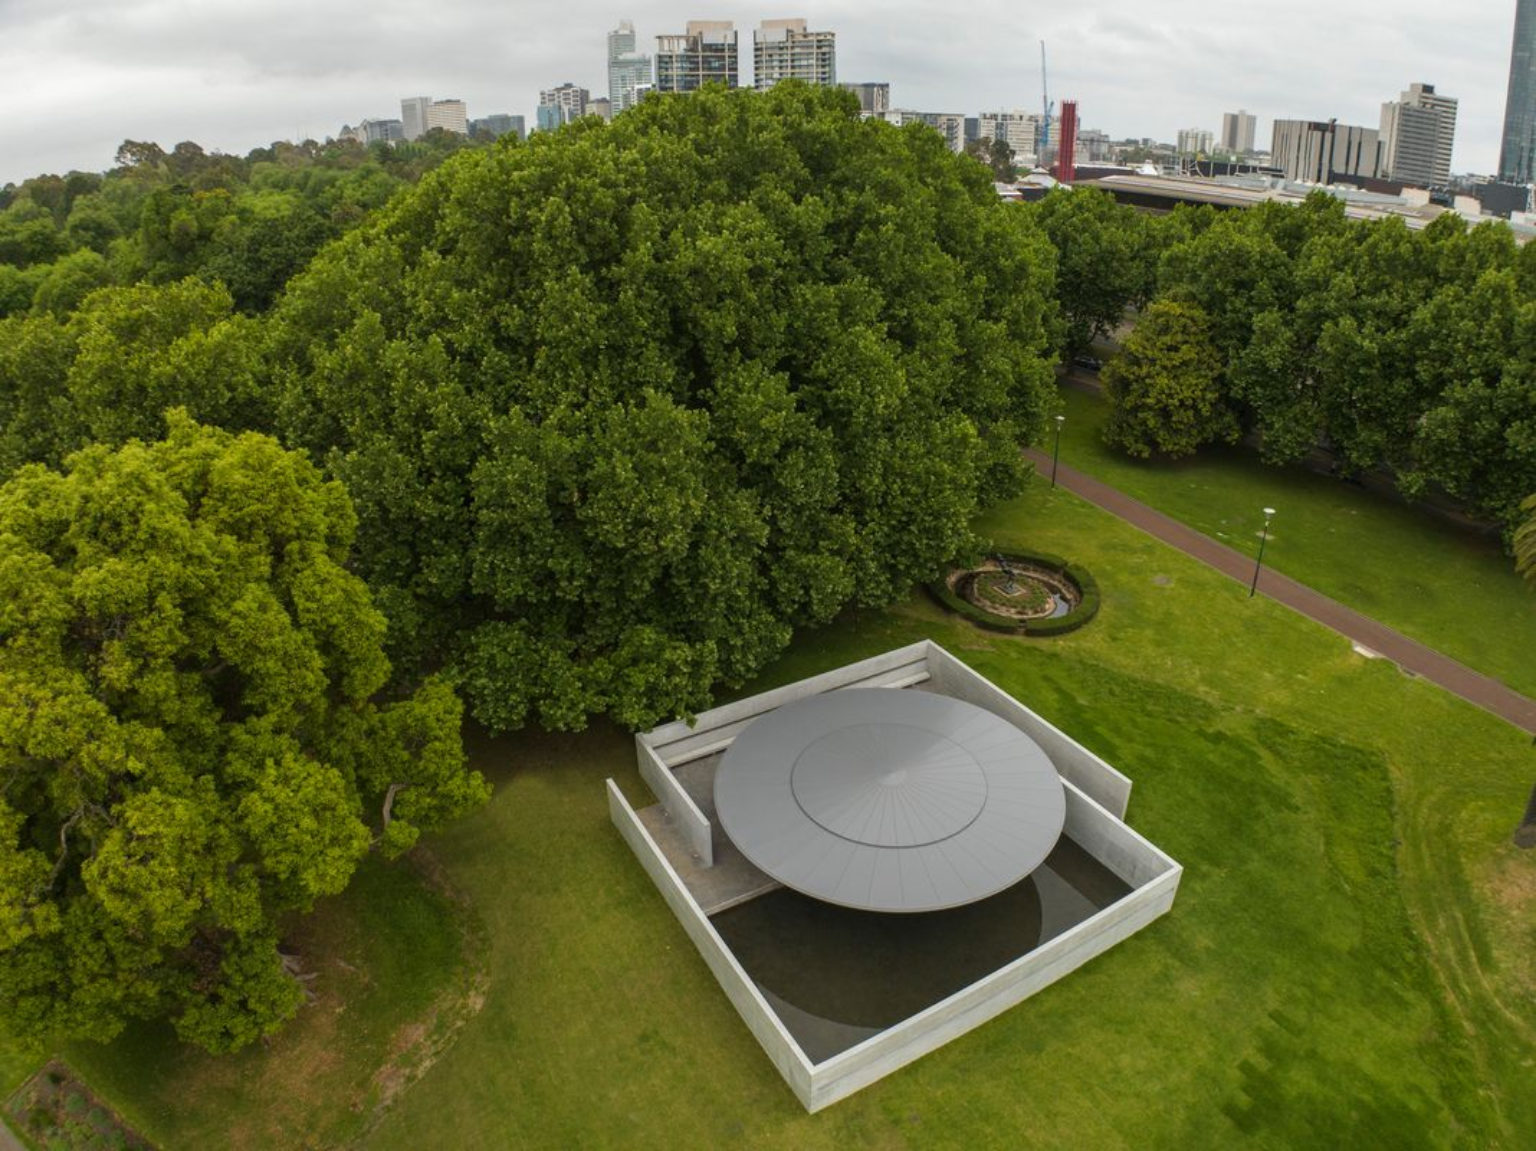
1021	593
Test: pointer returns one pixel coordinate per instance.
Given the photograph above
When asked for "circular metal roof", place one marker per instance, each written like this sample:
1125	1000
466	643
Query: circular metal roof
889	800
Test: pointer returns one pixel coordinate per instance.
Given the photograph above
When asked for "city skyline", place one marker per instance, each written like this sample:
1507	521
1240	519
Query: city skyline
233	78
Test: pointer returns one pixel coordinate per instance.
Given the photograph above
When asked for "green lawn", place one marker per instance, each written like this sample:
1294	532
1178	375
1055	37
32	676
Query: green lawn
386	953
1449	588
1351	960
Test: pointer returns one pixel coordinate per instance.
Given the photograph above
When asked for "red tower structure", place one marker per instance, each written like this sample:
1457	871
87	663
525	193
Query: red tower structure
1066	168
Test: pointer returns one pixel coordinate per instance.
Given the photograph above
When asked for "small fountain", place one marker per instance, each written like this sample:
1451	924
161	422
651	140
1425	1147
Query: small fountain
1011	592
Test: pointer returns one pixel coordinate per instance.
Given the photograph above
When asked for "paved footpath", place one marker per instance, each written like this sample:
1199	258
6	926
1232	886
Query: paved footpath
1408	654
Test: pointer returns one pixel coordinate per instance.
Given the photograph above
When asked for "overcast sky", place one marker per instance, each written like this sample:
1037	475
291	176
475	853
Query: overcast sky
79	76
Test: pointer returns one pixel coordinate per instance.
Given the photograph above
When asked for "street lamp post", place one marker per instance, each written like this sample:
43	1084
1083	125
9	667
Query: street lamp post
1056	451
1258	563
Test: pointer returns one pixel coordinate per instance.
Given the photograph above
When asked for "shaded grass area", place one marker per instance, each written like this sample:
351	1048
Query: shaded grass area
1349	960
383	951
1450	588
17	1061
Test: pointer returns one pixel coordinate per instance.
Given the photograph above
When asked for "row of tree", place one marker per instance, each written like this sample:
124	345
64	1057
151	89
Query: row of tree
1409	351
248	222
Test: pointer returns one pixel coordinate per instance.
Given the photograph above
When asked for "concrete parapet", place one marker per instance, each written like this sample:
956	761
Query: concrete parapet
1074	762
685	815
738	986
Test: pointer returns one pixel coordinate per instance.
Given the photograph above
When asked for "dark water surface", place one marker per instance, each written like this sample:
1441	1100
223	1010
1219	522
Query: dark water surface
837	976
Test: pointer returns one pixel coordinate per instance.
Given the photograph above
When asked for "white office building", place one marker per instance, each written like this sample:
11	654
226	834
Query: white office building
1417	132
449	115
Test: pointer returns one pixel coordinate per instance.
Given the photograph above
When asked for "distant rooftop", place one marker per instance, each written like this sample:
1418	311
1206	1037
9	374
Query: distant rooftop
1246	191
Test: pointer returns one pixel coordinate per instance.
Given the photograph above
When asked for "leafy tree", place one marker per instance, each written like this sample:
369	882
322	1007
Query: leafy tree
69	280
1270	380
1232	271
144	349
1103	260
190	733
92	224
1525	540
997	155
109	372
1164	386
17	288
28	235
38	423
623	405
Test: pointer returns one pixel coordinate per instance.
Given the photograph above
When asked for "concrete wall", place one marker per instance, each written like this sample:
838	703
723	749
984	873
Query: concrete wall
676	802
1134	859
781	1047
1108	787
1115	845
715	729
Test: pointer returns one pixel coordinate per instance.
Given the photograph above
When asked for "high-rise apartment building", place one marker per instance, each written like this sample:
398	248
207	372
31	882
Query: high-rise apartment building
1517	153
704	54
1322	151
413	116
785	50
381	131
1195	141
1417	131
449	115
950	125
1022	132
1237	131
629	70
561	105
874	99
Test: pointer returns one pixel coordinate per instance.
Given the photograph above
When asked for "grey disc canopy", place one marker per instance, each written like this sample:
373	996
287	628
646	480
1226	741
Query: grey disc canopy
889	800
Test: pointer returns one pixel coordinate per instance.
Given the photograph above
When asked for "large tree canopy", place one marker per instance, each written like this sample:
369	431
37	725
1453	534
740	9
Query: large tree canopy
189	740
623	405
1164	385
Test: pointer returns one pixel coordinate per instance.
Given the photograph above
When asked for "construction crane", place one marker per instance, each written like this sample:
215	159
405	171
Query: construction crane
1044	139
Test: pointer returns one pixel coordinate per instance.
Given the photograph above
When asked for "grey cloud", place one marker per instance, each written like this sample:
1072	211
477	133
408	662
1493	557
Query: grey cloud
84	74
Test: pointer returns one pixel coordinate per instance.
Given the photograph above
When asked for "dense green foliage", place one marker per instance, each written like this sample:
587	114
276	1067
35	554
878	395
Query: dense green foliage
109	371
1408	351
622	406
248	222
1164	385
1106	257
189	733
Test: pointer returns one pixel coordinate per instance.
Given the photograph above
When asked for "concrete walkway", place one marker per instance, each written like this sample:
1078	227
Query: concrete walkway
1410	655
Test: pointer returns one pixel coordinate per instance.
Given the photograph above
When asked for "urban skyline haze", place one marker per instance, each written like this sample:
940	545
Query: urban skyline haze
81	78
